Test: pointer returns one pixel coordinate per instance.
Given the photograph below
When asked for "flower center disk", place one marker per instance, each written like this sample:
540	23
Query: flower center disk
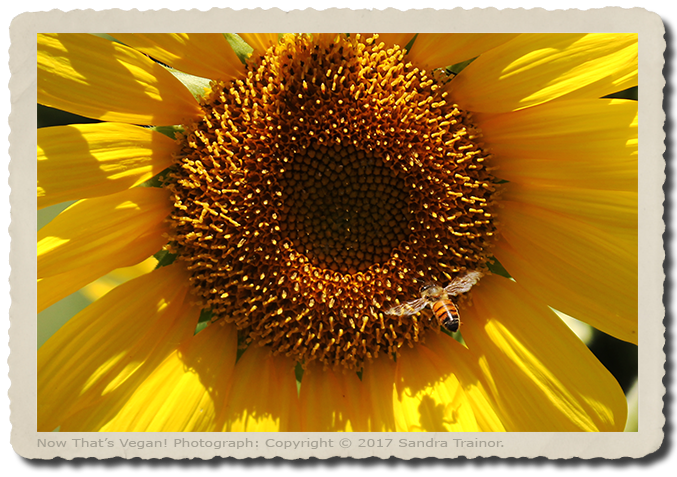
314	193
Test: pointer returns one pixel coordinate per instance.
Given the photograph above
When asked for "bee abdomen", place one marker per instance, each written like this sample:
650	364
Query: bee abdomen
447	314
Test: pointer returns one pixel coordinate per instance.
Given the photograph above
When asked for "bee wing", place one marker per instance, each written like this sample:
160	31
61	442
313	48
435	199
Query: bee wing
409	308
463	284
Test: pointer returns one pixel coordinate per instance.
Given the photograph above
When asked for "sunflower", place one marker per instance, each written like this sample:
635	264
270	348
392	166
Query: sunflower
294	190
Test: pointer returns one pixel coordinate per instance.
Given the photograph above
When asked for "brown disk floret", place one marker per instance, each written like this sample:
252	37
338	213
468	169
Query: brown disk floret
315	192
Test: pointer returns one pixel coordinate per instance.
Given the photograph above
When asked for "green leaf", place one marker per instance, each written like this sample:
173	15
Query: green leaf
197	86
239	46
169	131
458	67
630	93
158	180
164	258
48	117
204	320
411	43
496	268
456	335
298	372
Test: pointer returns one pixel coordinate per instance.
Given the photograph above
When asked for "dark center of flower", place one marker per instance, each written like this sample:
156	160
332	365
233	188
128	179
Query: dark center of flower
346	209
313	195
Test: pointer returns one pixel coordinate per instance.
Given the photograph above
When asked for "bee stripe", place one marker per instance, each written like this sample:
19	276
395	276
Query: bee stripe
447	314
443	307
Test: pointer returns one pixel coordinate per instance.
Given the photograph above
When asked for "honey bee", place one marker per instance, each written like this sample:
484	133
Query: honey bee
437	297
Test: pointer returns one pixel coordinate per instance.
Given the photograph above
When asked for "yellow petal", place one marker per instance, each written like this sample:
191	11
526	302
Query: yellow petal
378	379
569	225
112	342
260	41
105	284
586	271
586	144
102	234
90	160
439	388
437	50
543	377
605	86
57	287
101	79
53	288
332	400
613	211
263	396
451	356
208	55
535	68
187	391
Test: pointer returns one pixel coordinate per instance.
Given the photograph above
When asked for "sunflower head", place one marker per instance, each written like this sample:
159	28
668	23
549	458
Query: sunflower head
315	194
311	194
